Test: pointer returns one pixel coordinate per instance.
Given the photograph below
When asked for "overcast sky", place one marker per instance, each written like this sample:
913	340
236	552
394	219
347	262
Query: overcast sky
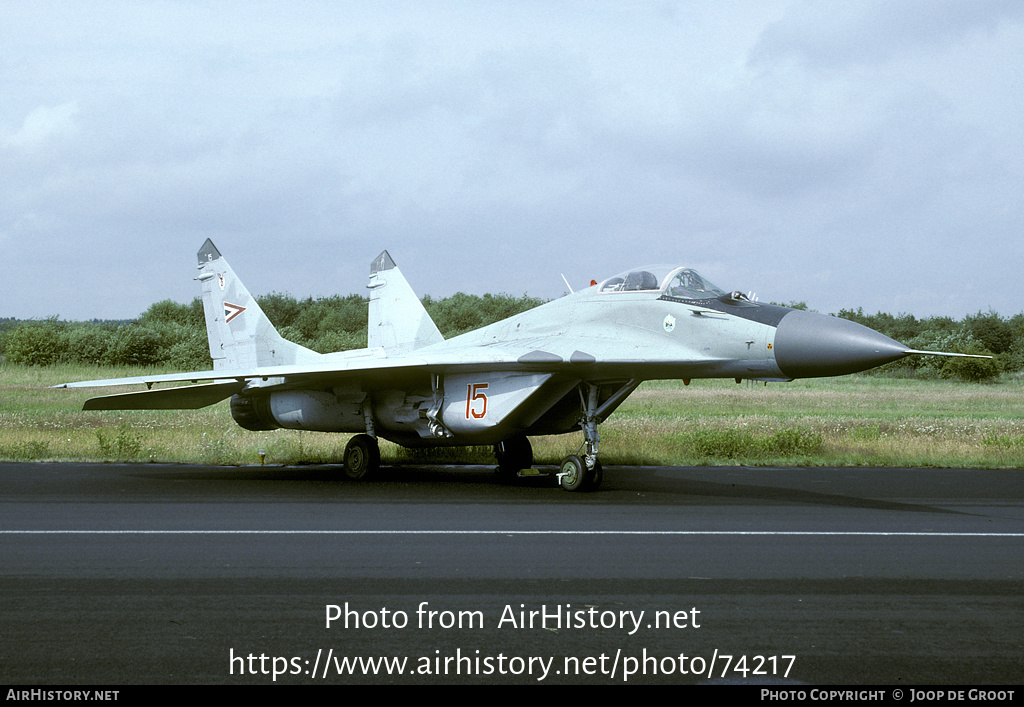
843	153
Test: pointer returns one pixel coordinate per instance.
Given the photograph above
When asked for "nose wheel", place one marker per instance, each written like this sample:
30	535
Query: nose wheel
574	475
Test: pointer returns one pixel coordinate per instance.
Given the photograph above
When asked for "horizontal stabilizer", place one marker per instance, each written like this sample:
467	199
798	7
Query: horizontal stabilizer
189	397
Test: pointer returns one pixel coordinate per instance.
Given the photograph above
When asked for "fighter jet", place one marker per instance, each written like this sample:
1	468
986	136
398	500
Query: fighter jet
563	366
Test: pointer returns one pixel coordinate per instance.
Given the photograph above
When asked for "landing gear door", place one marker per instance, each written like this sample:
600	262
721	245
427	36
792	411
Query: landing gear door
476	403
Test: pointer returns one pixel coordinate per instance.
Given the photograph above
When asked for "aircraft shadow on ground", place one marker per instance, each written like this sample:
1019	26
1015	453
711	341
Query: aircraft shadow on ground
633	486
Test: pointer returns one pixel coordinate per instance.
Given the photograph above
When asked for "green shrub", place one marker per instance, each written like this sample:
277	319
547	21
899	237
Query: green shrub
133	345
168	311
123	444
793	441
88	343
972	370
36	343
726	443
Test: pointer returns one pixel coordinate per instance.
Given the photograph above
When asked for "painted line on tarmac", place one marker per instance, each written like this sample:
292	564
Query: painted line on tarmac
811	533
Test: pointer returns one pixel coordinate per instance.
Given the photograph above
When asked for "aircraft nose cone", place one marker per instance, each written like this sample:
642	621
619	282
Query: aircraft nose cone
809	345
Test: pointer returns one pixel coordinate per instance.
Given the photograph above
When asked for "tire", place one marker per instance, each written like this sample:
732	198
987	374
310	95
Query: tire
573	473
513	454
362	458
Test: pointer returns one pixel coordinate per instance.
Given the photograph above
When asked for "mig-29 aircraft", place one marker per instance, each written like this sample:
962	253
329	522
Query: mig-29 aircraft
563	366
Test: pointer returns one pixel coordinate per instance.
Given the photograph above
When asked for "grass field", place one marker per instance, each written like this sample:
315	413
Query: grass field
848	421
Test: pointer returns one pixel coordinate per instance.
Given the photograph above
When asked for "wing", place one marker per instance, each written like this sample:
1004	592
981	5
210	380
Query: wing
226	383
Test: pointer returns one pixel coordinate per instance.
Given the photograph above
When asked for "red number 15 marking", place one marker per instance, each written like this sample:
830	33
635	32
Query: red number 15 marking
476	400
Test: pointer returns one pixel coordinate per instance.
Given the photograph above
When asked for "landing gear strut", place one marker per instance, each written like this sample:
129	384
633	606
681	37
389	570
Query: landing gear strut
584	474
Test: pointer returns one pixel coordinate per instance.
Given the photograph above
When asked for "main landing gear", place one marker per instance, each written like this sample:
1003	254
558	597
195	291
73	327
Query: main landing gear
514	454
362	457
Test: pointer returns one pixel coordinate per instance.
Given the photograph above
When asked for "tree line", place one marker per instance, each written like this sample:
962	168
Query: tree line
984	333
174	335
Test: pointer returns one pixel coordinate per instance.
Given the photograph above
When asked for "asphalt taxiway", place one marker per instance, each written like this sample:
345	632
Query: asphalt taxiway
119	574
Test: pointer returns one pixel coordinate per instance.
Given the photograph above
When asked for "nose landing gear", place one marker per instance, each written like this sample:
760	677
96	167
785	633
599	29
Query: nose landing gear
584	474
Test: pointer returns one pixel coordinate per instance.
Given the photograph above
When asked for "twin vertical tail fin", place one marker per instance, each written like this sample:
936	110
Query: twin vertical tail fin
241	336
398	322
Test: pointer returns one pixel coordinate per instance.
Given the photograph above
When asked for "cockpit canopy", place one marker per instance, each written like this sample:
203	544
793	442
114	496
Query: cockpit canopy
671	280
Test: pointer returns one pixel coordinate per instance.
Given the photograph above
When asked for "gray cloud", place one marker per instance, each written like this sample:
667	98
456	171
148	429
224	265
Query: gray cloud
846	155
